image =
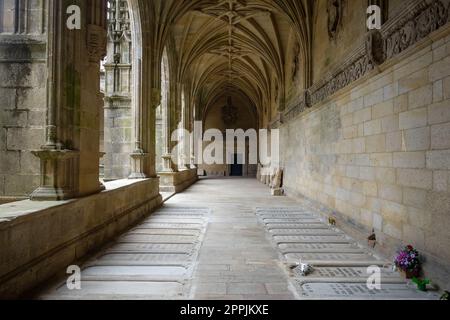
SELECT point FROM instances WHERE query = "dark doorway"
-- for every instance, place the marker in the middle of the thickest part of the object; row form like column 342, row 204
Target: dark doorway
column 236, row 169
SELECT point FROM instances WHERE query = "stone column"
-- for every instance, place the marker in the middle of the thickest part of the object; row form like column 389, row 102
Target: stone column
column 69, row 158
column 169, row 118
column 139, row 156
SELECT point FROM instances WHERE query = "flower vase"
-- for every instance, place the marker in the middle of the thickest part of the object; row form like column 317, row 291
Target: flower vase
column 408, row 274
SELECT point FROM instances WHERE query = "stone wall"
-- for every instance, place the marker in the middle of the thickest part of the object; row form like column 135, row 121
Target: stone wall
column 377, row 153
column 39, row 239
column 22, row 116
column 22, row 97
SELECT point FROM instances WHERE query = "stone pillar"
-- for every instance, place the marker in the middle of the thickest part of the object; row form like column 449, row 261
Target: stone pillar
column 139, row 157
column 151, row 127
column 69, row 158
column 167, row 95
column 183, row 160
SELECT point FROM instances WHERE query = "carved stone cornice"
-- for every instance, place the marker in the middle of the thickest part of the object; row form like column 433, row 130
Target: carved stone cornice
column 417, row 21
column 354, row 68
column 298, row 108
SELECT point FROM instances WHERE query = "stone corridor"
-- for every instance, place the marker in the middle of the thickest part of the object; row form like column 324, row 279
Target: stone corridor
column 229, row 239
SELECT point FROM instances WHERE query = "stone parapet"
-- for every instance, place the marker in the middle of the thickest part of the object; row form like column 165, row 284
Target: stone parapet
column 39, row 239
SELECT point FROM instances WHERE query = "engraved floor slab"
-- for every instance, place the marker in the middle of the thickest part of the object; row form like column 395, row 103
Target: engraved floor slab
column 207, row 243
column 154, row 260
column 297, row 226
column 306, row 257
column 360, row 291
column 329, row 247
column 122, row 290
column 134, row 271
column 300, row 232
column 340, row 265
column 344, row 272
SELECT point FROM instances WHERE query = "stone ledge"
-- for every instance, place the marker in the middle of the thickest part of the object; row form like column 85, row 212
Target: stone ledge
column 40, row 239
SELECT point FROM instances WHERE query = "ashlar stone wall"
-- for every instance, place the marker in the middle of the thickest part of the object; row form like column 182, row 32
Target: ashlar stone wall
column 378, row 152
column 22, row 96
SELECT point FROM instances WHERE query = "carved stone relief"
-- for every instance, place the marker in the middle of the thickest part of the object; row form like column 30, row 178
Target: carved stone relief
column 334, row 10
column 295, row 63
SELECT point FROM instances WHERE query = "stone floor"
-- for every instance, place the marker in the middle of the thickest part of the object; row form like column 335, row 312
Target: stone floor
column 229, row 239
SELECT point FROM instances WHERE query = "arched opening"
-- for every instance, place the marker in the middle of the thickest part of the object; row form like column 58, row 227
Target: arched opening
column 232, row 115
column 117, row 77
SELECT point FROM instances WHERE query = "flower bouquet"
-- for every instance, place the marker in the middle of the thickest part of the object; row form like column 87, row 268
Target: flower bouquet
column 407, row 261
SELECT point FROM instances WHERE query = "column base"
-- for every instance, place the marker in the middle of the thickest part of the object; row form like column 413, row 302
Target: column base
column 59, row 175
column 177, row 181
column 137, row 165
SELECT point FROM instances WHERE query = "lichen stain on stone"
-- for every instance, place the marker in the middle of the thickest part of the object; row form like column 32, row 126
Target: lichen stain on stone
column 72, row 89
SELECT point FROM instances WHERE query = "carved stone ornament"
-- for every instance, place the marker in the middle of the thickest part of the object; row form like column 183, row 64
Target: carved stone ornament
column 334, row 10
column 229, row 113
column 96, row 43
column 295, row 63
column 374, row 47
column 418, row 23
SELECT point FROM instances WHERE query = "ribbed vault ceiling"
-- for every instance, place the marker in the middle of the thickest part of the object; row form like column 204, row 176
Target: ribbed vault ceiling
column 232, row 47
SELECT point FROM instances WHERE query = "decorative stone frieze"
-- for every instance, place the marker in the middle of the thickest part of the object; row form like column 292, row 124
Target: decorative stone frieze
column 416, row 22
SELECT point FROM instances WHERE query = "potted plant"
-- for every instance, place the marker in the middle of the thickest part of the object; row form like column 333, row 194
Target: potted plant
column 421, row 284
column 408, row 262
